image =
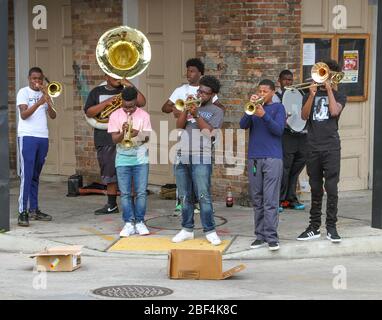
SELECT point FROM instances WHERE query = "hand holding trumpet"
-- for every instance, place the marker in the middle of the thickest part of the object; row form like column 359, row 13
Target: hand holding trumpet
column 255, row 106
column 125, row 128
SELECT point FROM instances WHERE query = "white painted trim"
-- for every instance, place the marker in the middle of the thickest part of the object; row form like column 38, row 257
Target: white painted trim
column 21, row 19
column 131, row 19
column 130, row 13
column 373, row 74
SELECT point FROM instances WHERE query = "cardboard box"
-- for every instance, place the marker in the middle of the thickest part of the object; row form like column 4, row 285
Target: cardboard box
column 198, row 264
column 59, row 259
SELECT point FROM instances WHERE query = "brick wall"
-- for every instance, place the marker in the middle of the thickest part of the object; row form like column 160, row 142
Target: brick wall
column 242, row 42
column 90, row 19
column 11, row 91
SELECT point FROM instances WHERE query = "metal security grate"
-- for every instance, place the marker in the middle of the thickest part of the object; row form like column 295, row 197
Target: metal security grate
column 132, row 292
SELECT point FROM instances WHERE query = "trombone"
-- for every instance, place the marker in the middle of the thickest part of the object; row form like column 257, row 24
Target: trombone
column 251, row 107
column 320, row 73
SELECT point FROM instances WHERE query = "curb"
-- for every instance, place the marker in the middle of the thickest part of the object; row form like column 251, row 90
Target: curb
column 312, row 249
column 288, row 249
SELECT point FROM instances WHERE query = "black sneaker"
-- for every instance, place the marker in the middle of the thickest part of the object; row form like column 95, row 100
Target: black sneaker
column 258, row 244
column 23, row 220
column 333, row 235
column 309, row 234
column 107, row 209
column 273, row 246
column 37, row 215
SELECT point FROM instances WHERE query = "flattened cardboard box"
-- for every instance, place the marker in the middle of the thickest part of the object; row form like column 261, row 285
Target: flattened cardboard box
column 59, row 259
column 198, row 264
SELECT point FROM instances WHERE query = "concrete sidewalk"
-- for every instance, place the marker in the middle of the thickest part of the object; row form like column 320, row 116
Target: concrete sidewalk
column 75, row 223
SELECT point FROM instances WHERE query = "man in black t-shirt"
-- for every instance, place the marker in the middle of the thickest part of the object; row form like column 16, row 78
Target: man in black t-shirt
column 99, row 98
column 322, row 108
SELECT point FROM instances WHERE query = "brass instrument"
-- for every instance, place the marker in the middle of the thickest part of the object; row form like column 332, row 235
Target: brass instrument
column 103, row 117
column 320, row 73
column 122, row 53
column 183, row 105
column 53, row 89
column 127, row 142
column 250, row 107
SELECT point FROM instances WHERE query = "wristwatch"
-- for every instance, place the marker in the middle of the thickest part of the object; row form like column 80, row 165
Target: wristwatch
column 197, row 116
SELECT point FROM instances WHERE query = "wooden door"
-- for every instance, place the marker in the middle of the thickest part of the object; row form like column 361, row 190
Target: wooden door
column 51, row 50
column 170, row 28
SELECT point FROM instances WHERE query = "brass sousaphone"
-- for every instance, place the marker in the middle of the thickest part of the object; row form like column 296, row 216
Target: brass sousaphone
column 122, row 53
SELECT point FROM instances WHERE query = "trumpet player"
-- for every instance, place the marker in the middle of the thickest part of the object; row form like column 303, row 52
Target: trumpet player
column 33, row 104
column 130, row 129
column 193, row 167
column 100, row 98
column 322, row 108
column 265, row 164
column 194, row 72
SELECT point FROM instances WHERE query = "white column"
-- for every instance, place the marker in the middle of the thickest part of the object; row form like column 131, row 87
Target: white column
column 21, row 20
column 130, row 18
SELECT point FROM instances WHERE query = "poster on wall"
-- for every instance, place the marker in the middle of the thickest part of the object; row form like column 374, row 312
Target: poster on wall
column 351, row 66
column 309, row 54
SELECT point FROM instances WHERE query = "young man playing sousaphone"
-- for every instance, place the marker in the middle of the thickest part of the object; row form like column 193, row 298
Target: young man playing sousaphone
column 130, row 129
column 99, row 99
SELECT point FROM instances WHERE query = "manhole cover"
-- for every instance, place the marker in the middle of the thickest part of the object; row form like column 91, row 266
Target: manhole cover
column 132, row 292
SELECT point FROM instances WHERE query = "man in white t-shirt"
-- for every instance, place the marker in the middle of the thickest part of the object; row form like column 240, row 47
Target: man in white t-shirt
column 195, row 70
column 33, row 104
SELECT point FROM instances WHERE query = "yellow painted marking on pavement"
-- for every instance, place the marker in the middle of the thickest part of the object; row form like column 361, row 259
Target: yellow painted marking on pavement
column 99, row 233
column 137, row 243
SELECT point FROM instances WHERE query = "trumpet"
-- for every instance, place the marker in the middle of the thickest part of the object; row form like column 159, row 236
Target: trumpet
column 127, row 141
column 320, row 73
column 250, row 107
column 183, row 105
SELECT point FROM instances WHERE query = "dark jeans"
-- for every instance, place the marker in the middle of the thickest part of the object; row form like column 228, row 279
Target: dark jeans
column 324, row 165
column 195, row 179
column 294, row 159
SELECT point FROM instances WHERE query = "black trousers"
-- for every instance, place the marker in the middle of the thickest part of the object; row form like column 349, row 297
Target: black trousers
column 324, row 165
column 294, row 159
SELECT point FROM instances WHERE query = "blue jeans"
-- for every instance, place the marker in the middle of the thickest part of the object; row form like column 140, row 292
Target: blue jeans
column 140, row 173
column 195, row 177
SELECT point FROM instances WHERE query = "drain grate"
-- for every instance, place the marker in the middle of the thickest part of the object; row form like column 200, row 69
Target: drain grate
column 132, row 292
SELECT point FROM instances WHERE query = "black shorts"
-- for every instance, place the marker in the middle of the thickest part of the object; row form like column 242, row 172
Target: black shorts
column 106, row 160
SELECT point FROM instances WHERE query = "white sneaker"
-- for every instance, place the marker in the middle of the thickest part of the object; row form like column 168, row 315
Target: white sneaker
column 127, row 230
column 183, row 235
column 213, row 238
column 142, row 229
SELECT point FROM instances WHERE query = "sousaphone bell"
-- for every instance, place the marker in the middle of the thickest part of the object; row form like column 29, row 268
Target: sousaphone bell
column 122, row 53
